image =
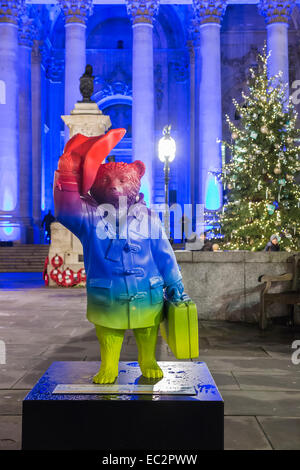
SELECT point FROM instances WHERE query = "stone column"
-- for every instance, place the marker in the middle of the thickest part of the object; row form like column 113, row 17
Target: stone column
column 143, row 145
column 277, row 14
column 25, row 126
column 192, row 119
column 9, row 150
column 76, row 13
column 208, row 16
column 36, row 90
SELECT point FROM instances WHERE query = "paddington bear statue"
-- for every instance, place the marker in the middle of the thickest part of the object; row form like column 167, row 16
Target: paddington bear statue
column 129, row 262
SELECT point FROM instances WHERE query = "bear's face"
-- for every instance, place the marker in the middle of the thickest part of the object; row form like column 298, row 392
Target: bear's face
column 118, row 179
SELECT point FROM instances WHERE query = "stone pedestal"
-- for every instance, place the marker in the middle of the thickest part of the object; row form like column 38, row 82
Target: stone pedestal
column 120, row 421
column 87, row 119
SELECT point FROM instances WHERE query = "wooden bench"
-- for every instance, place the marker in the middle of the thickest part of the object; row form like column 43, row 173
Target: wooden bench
column 290, row 297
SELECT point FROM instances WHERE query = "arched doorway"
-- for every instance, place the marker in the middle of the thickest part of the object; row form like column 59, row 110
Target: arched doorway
column 119, row 108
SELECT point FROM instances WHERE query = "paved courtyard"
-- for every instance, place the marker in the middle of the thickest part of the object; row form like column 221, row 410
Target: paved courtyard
column 253, row 369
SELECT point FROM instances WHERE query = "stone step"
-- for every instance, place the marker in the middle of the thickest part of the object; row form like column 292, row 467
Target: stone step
column 23, row 258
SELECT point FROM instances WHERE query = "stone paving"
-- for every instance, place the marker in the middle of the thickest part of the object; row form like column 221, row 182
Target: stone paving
column 253, row 369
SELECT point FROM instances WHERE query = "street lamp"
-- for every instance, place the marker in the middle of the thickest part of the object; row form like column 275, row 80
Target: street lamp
column 166, row 154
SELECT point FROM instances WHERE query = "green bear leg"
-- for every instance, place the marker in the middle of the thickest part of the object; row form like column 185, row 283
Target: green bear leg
column 146, row 339
column 110, row 347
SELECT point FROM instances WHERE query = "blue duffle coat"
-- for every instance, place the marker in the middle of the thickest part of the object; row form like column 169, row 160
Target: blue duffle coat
column 127, row 266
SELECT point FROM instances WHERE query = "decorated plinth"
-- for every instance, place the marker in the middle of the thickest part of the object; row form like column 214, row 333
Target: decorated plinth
column 87, row 119
column 66, row 411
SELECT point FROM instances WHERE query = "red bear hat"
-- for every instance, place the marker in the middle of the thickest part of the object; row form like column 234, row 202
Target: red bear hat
column 95, row 150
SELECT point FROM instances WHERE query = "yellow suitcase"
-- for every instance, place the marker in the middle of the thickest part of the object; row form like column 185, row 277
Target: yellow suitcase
column 179, row 328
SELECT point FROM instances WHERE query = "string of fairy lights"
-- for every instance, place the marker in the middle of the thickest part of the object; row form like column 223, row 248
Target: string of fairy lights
column 259, row 181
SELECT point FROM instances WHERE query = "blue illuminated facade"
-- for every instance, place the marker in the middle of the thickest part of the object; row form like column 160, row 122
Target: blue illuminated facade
column 199, row 64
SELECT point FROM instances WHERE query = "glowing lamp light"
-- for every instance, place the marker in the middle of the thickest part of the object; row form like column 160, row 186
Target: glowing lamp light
column 166, row 154
column 166, row 146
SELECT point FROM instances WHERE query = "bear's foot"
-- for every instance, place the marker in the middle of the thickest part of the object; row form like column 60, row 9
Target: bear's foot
column 151, row 370
column 105, row 376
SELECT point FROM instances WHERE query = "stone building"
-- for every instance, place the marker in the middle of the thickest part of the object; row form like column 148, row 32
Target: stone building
column 155, row 62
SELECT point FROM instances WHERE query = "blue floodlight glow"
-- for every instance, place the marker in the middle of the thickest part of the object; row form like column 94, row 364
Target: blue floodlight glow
column 145, row 189
column 7, row 200
column 9, row 232
column 212, row 196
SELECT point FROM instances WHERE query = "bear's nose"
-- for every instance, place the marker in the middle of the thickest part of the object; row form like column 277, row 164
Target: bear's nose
column 115, row 188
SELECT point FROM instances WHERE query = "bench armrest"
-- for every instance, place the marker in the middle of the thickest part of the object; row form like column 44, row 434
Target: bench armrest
column 281, row 277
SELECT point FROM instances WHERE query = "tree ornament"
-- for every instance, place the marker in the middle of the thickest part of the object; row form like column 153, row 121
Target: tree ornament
column 253, row 134
column 270, row 209
column 277, row 170
column 264, row 129
column 234, row 135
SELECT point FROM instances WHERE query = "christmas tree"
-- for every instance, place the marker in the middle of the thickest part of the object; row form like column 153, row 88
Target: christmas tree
column 262, row 197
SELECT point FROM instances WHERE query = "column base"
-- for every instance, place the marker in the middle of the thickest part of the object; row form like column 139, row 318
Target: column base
column 18, row 230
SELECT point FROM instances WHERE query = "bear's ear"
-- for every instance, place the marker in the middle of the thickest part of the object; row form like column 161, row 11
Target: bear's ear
column 139, row 167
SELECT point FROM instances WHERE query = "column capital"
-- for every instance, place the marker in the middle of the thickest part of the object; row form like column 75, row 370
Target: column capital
column 207, row 12
column 142, row 11
column 9, row 11
column 194, row 30
column 76, row 11
column 276, row 11
column 26, row 31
